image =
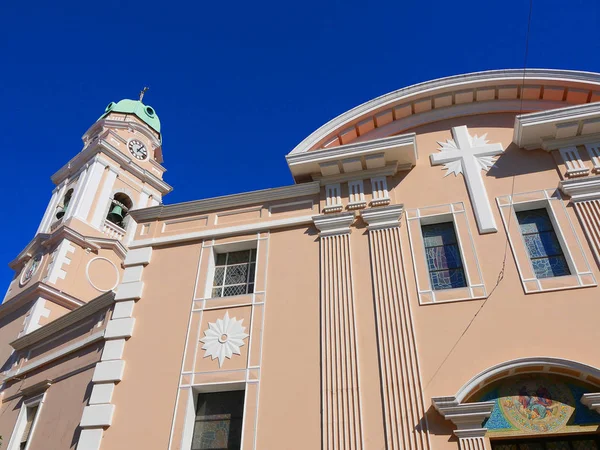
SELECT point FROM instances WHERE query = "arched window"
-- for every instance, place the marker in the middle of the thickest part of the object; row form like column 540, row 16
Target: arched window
column 118, row 213
column 62, row 208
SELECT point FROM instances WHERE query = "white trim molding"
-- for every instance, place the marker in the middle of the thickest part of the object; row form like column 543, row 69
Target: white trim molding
column 580, row 276
column 224, row 202
column 355, row 157
column 591, row 400
column 38, row 400
column 556, row 128
column 587, row 188
column 467, row 417
column 334, row 224
column 385, row 217
column 467, row 94
column 561, row 366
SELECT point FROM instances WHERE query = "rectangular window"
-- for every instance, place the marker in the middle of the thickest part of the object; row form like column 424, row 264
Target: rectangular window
column 234, row 273
column 24, row 428
column 542, row 244
column 219, row 421
column 443, row 256
column 31, row 412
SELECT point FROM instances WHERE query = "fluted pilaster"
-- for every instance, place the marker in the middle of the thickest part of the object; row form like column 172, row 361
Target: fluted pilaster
column 341, row 417
column 401, row 385
column 589, row 214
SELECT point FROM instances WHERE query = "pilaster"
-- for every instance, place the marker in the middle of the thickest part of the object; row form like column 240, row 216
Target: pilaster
column 100, row 211
column 341, row 403
column 403, row 406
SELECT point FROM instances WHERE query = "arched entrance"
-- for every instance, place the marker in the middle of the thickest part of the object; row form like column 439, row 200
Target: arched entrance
column 527, row 404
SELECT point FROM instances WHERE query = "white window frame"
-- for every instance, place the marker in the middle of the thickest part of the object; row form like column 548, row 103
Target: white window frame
column 379, row 191
column 572, row 160
column 594, row 154
column 192, row 406
column 544, row 204
column 430, row 215
column 333, row 198
column 551, row 200
column 356, row 194
column 228, row 248
column 15, row 439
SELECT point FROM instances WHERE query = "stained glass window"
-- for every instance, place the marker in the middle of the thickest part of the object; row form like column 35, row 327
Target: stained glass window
column 234, row 273
column 544, row 250
column 219, row 421
column 443, row 256
column 584, row 442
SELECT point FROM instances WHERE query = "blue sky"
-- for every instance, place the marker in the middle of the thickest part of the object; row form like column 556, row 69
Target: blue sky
column 238, row 84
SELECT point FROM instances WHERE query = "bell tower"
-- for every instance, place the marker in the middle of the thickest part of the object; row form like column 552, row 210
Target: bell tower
column 82, row 239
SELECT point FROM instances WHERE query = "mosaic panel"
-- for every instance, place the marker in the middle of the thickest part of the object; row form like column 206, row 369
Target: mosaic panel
column 537, row 404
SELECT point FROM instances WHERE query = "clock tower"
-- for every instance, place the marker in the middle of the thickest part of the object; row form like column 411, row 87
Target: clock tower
column 78, row 249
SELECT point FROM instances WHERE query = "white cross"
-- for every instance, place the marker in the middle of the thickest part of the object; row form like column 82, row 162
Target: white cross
column 470, row 156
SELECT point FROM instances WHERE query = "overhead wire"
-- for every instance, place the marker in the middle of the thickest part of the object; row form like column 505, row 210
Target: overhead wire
column 503, row 267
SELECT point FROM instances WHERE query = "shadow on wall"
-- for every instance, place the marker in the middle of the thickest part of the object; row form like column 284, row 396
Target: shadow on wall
column 437, row 425
column 77, row 433
column 517, row 161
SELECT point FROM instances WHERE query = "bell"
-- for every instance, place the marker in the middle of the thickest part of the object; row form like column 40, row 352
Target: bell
column 61, row 212
column 116, row 215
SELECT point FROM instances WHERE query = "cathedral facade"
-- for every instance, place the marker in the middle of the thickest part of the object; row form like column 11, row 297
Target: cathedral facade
column 428, row 282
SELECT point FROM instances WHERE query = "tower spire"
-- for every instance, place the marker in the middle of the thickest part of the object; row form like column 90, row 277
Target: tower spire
column 142, row 92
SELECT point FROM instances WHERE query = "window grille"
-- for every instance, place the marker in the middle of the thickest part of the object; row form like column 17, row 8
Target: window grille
column 234, row 273
column 444, row 261
column 544, row 249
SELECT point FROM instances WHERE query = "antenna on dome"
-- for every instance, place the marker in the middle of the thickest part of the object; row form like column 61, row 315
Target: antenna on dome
column 142, row 92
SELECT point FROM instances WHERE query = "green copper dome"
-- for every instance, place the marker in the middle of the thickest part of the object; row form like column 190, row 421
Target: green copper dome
column 144, row 112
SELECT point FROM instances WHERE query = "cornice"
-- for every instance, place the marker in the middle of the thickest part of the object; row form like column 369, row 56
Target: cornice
column 447, row 86
column 557, row 128
column 111, row 244
column 121, row 124
column 333, row 224
column 581, row 189
column 224, row 202
column 591, row 400
column 222, row 232
column 71, row 318
column 467, row 417
column 385, row 217
column 40, row 289
column 62, row 232
column 400, row 149
column 103, row 146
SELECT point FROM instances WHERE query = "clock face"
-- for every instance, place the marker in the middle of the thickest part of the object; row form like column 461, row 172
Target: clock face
column 137, row 149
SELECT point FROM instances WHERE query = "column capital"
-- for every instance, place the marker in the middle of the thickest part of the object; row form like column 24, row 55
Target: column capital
column 467, row 417
column 333, row 224
column 385, row 217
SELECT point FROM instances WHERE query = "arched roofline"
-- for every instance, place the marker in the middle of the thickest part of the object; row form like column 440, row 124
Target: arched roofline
column 538, row 364
column 442, row 94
